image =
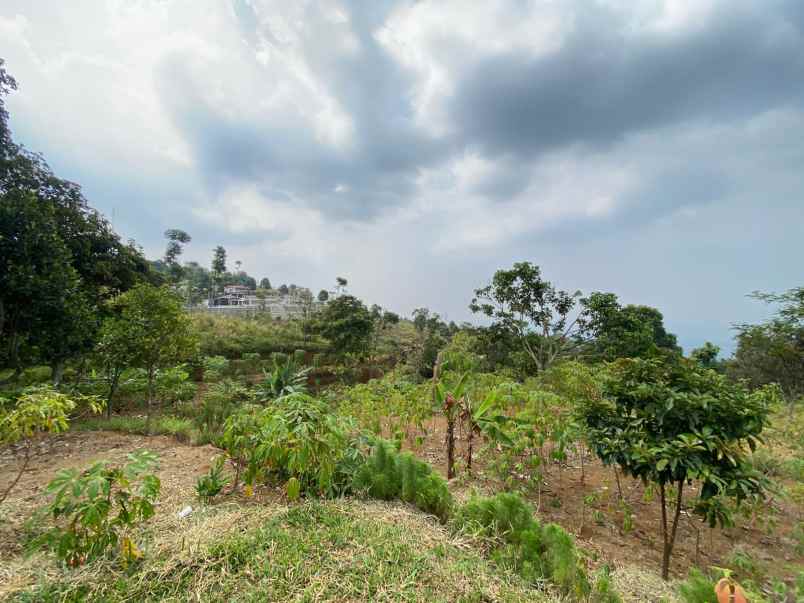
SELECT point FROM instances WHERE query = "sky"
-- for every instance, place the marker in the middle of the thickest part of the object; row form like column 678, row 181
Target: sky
column 652, row 148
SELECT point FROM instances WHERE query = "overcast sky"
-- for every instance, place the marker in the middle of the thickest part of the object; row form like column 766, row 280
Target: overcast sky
column 646, row 147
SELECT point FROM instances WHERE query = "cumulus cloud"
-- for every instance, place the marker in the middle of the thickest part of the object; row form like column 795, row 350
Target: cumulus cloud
column 649, row 147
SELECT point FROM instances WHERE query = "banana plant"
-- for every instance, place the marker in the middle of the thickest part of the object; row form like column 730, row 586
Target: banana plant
column 449, row 397
column 483, row 418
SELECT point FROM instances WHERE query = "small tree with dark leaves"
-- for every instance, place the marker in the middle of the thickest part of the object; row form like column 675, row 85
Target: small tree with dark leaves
column 669, row 421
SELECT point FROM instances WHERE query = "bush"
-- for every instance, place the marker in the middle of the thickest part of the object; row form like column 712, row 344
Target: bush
column 210, row 485
column 697, row 588
column 297, row 436
column 219, row 402
column 603, row 591
column 388, row 474
column 214, row 368
column 96, row 509
column 536, row 552
column 173, row 385
column 283, row 379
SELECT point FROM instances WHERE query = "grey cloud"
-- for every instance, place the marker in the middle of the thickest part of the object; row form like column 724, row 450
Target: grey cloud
column 605, row 82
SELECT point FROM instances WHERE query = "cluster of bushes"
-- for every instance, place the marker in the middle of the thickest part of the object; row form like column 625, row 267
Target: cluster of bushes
column 234, row 337
column 299, row 442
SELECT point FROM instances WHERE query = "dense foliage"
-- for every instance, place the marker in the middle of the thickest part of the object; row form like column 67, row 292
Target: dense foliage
column 670, row 421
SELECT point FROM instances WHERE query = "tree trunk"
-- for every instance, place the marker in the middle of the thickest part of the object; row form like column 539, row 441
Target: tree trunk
column 470, row 441
column 57, row 372
column 450, row 447
column 665, row 548
column 150, row 400
column 112, row 390
column 669, row 537
column 19, row 474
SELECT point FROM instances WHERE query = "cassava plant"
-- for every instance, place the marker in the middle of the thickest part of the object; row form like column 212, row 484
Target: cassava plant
column 97, row 509
column 669, row 422
column 38, row 410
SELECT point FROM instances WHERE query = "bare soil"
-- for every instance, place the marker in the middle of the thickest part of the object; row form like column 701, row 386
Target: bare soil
column 598, row 526
column 565, row 486
column 180, row 466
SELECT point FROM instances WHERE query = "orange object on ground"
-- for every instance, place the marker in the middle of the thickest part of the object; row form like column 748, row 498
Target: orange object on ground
column 728, row 591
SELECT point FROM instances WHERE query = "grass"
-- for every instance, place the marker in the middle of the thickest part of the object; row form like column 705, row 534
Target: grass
column 318, row 551
column 181, row 428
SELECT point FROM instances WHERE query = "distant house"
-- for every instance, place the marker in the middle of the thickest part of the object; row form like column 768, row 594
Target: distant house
column 239, row 298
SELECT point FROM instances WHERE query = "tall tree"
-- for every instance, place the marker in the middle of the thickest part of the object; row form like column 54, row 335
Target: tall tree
column 706, row 355
column 615, row 331
column 176, row 239
column 218, row 266
column 519, row 300
column 340, row 284
column 265, row 283
column 323, row 295
column 347, row 324
column 72, row 252
column 773, row 351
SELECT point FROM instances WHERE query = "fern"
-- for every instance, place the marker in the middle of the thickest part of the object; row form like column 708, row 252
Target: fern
column 536, row 552
column 388, row 474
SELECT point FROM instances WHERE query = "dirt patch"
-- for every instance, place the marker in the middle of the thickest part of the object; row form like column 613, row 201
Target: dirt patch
column 598, row 524
column 180, row 466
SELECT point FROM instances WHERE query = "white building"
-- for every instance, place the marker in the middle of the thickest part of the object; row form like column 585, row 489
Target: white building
column 238, row 298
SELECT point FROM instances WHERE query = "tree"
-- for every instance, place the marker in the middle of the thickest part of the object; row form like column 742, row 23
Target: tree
column 521, row 301
column 614, row 331
column 323, row 295
column 773, row 351
column 265, row 283
column 283, row 290
column 159, row 331
column 432, row 337
column 381, row 320
column 347, row 324
column 668, row 421
column 340, row 284
column 114, row 351
column 61, row 259
column 176, row 238
column 706, row 355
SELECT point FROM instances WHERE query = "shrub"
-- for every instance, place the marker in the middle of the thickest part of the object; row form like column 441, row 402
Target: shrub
column 697, row 588
column 174, row 385
column 218, row 403
column 214, row 368
column 388, row 474
column 536, row 552
column 97, row 509
column 284, row 378
column 210, row 485
column 37, row 410
column 603, row 591
column 297, row 436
